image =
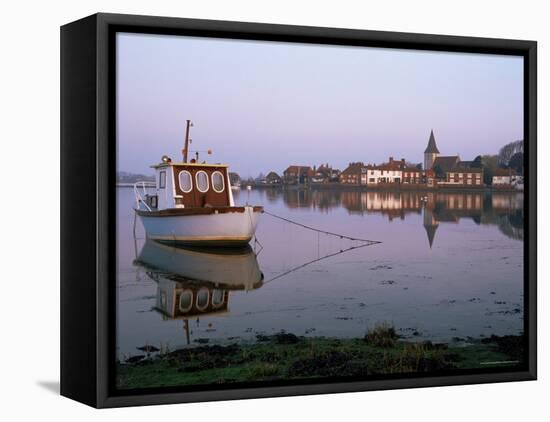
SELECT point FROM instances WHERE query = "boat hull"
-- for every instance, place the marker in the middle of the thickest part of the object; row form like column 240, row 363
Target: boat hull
column 232, row 269
column 213, row 226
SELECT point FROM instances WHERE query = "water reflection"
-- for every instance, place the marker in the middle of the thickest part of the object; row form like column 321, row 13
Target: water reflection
column 232, row 269
column 504, row 210
column 468, row 283
column 194, row 283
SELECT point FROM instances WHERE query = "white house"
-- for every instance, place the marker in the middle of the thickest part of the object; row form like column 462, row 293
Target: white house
column 505, row 177
column 390, row 172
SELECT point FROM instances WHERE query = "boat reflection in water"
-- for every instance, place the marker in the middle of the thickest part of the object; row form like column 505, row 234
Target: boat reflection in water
column 196, row 282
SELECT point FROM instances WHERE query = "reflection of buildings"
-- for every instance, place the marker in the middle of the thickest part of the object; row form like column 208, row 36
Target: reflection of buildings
column 316, row 199
column 392, row 204
column 192, row 283
column 502, row 209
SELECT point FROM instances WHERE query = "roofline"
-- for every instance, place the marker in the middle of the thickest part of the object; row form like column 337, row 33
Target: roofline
column 155, row 166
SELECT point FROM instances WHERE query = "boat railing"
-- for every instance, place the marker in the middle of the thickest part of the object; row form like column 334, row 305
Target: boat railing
column 140, row 193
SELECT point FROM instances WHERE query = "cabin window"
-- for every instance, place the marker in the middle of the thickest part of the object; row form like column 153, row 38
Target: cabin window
column 202, row 299
column 186, row 301
column 162, row 180
column 217, row 181
column 186, row 181
column 162, row 301
column 202, row 181
column 217, row 298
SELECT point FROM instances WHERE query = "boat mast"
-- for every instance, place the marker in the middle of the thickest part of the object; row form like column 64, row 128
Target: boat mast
column 186, row 146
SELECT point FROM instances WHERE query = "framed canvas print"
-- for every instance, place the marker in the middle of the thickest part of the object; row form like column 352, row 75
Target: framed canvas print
column 253, row 210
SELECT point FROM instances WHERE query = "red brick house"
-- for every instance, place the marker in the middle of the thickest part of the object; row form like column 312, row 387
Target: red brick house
column 297, row 175
column 354, row 174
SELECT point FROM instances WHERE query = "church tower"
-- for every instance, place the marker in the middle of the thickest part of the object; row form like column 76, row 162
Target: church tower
column 431, row 152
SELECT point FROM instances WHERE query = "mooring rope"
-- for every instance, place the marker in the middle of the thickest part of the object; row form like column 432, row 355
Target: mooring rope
column 341, row 236
column 299, row 267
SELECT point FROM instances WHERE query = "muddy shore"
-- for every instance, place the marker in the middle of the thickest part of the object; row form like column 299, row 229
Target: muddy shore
column 285, row 356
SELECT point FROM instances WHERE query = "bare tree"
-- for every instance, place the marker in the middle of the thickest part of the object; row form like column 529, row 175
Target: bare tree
column 508, row 150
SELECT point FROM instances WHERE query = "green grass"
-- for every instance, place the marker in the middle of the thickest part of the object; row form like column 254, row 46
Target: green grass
column 382, row 335
column 287, row 357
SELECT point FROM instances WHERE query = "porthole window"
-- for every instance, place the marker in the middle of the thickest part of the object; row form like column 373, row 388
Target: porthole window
column 186, row 301
column 186, row 181
column 202, row 181
column 202, row 299
column 162, row 301
column 217, row 181
column 217, row 298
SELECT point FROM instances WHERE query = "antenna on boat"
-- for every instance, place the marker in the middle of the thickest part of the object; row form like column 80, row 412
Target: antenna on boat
column 187, row 140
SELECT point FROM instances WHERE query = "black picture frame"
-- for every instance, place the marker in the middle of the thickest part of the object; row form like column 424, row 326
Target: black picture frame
column 88, row 202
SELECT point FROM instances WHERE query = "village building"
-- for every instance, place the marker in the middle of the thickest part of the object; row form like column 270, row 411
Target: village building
column 450, row 170
column 439, row 163
column 413, row 176
column 444, row 164
column 273, row 178
column 464, row 176
column 354, row 174
column 504, row 177
column 390, row 172
column 297, row 175
column 430, row 178
column 325, row 174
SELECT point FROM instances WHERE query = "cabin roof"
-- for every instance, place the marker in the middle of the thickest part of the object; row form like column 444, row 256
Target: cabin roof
column 173, row 163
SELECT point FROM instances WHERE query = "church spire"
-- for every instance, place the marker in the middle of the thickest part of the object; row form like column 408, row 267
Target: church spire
column 432, row 147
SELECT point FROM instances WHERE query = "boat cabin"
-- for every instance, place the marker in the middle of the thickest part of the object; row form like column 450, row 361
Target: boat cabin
column 190, row 185
column 186, row 300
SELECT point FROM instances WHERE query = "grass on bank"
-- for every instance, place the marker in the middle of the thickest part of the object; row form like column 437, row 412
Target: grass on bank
column 285, row 356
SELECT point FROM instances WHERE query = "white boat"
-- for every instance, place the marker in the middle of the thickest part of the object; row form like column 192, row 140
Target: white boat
column 191, row 203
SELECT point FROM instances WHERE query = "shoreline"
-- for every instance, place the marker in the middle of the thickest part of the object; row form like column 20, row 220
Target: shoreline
column 386, row 188
column 285, row 356
column 363, row 188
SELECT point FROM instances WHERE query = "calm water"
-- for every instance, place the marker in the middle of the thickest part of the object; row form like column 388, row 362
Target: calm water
column 449, row 266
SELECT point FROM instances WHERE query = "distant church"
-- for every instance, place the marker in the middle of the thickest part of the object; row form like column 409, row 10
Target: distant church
column 446, row 163
column 431, row 152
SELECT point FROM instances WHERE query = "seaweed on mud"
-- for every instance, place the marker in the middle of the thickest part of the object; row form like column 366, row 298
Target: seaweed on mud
column 328, row 364
column 134, row 359
column 512, row 346
column 204, row 352
column 279, row 338
column 148, row 349
column 286, row 338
